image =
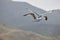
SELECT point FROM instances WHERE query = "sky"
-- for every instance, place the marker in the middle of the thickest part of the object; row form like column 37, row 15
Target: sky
column 43, row 4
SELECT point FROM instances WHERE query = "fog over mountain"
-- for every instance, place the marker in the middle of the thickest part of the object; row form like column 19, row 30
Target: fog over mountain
column 11, row 13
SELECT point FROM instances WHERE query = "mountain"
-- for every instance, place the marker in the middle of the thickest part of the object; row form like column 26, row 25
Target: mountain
column 11, row 13
column 55, row 11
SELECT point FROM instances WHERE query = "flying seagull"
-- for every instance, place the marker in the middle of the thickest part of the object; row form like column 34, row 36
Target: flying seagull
column 36, row 16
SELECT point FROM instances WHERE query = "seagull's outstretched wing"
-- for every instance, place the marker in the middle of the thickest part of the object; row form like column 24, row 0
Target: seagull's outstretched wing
column 39, row 14
column 33, row 12
column 33, row 15
column 47, row 12
column 45, row 18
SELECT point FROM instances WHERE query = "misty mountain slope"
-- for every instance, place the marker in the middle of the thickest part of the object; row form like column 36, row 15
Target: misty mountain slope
column 15, row 34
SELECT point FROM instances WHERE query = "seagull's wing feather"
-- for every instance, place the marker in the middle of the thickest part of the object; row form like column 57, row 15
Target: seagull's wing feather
column 43, row 14
column 25, row 15
column 33, row 12
column 33, row 15
column 36, row 14
column 47, row 12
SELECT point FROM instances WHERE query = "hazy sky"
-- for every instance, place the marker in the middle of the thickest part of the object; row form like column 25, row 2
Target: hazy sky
column 44, row 4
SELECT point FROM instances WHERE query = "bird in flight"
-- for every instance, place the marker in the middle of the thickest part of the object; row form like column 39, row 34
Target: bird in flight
column 36, row 16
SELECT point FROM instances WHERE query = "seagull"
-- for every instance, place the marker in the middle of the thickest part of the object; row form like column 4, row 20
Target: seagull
column 36, row 16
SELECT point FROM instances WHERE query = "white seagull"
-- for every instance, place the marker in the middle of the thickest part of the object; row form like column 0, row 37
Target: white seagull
column 36, row 16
